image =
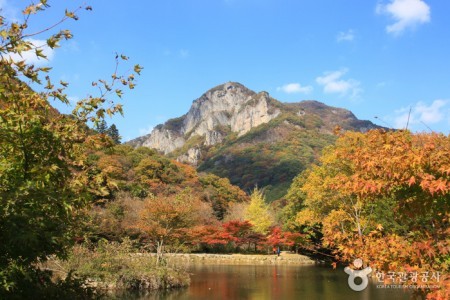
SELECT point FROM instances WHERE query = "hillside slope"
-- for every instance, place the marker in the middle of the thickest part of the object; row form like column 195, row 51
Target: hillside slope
column 251, row 138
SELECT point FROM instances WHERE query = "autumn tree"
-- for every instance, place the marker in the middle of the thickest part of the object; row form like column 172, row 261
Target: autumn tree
column 167, row 221
column 43, row 178
column 234, row 234
column 278, row 238
column 258, row 212
column 221, row 194
column 384, row 197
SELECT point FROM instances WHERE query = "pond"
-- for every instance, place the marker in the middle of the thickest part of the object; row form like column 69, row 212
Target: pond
column 210, row 282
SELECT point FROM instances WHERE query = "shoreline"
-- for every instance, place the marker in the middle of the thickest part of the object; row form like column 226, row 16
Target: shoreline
column 240, row 259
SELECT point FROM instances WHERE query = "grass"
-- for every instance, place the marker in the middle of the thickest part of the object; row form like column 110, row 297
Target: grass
column 112, row 265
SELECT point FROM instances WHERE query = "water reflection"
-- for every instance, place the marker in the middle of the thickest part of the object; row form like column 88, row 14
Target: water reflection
column 270, row 282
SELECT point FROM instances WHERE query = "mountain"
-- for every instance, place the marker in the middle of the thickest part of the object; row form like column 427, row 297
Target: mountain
column 251, row 138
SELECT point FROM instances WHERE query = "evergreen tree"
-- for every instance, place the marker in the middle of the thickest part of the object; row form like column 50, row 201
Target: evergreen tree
column 102, row 127
column 113, row 132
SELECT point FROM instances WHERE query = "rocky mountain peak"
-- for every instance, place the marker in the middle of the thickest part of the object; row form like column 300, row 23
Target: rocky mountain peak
column 251, row 138
column 231, row 109
column 216, row 108
column 229, row 106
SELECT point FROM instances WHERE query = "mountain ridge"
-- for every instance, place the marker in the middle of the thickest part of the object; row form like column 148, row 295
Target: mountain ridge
column 177, row 131
column 230, row 104
column 249, row 137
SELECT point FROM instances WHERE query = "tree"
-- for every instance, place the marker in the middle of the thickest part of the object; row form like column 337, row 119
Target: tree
column 167, row 221
column 113, row 133
column 294, row 202
column 233, row 233
column 44, row 182
column 278, row 238
column 102, row 127
column 384, row 197
column 221, row 194
column 258, row 213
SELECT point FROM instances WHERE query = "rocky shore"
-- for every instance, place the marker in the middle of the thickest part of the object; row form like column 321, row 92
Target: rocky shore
column 241, row 259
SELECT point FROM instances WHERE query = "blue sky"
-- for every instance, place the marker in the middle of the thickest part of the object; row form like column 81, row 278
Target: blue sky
column 375, row 58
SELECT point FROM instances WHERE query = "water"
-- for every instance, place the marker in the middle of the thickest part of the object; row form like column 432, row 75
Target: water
column 209, row 282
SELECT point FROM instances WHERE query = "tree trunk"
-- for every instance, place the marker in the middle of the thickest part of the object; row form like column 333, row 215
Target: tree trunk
column 159, row 252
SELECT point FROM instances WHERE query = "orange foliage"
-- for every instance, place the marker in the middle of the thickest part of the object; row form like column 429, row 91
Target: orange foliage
column 384, row 197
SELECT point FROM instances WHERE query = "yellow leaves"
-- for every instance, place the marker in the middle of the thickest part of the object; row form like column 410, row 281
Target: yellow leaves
column 138, row 69
column 34, row 8
column 306, row 217
column 71, row 15
column 52, row 42
column 3, row 33
column 258, row 212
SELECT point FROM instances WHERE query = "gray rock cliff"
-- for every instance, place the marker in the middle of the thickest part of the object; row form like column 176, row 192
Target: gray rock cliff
column 230, row 105
column 234, row 113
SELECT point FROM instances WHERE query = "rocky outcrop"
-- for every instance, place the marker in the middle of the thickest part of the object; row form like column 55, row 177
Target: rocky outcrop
column 230, row 105
column 253, row 115
column 213, row 137
column 161, row 139
column 192, row 156
column 251, row 138
column 233, row 108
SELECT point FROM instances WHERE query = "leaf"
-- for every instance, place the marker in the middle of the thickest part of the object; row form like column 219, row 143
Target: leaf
column 138, row 69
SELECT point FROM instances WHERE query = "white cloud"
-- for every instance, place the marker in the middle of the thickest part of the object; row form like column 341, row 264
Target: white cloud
column 333, row 83
column 145, row 131
column 345, row 36
column 431, row 114
column 30, row 56
column 292, row 88
column 406, row 14
column 421, row 113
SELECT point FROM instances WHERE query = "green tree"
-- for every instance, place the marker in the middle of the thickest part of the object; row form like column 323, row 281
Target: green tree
column 113, row 133
column 258, row 213
column 221, row 193
column 44, row 182
column 294, row 202
column 102, row 127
